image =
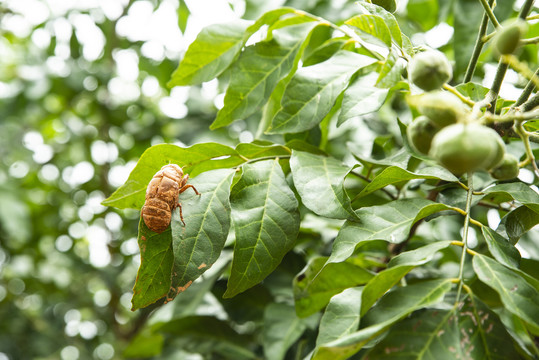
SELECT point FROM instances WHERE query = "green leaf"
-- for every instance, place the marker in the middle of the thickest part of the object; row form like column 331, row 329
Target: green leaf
column 207, row 335
column 207, row 222
column 517, row 295
column 144, row 345
column 210, row 54
column 373, row 26
column 395, row 174
column 474, row 332
column 325, row 51
column 318, row 282
column 391, row 72
column 341, row 316
column 319, row 181
column 255, row 151
column 399, row 266
column 392, row 307
column 389, row 19
column 380, row 284
column 424, row 12
column 515, row 191
column 266, row 220
column 390, row 222
column 193, row 160
column 154, row 273
column 420, row 255
column 313, row 90
column 268, row 18
column 399, row 159
column 501, row 248
column 258, row 70
column 183, row 15
column 518, row 222
column 361, row 98
column 404, row 300
column 281, row 330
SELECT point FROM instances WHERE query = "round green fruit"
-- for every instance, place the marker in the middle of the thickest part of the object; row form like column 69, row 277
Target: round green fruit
column 506, row 40
column 420, row 133
column 441, row 107
column 462, row 148
column 389, row 5
column 430, row 69
column 507, row 169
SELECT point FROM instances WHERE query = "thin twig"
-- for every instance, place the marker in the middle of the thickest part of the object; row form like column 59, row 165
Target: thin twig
column 490, row 13
column 477, row 47
column 525, row 95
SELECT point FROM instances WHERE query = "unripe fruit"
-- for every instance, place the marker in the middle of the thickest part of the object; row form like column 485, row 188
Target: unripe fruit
column 462, row 148
column 441, row 107
column 420, row 133
column 389, row 5
column 507, row 38
column 507, row 169
column 430, row 69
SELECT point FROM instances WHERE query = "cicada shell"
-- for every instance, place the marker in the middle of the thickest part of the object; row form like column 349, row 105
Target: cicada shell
column 162, row 197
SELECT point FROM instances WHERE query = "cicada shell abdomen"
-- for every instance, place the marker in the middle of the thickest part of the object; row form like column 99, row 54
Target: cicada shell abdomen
column 156, row 214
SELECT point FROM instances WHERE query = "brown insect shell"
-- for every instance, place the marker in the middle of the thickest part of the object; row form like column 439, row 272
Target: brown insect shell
column 156, row 214
column 166, row 184
column 162, row 197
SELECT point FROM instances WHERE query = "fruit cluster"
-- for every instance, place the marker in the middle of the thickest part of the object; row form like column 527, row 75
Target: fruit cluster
column 446, row 130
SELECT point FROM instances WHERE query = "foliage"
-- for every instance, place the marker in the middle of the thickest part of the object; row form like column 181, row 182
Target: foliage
column 327, row 236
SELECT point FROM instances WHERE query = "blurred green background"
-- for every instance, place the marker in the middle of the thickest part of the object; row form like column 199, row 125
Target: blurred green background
column 82, row 95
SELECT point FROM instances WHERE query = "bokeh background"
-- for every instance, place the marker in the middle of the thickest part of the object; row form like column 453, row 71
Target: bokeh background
column 82, row 94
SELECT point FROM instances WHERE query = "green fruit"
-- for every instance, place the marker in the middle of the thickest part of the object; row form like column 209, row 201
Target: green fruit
column 389, row 5
column 462, row 148
column 441, row 107
column 507, row 38
column 430, row 69
column 420, row 133
column 507, row 169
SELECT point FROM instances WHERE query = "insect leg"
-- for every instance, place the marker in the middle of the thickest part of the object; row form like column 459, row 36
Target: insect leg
column 181, row 213
column 185, row 187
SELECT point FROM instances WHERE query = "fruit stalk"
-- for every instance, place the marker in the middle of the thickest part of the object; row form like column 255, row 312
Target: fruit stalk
column 465, row 233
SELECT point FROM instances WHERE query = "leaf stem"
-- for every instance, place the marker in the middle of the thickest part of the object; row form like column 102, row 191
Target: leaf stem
column 477, row 47
column 465, row 233
column 463, row 98
column 461, row 244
